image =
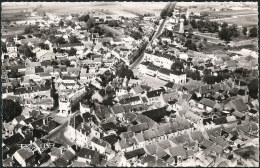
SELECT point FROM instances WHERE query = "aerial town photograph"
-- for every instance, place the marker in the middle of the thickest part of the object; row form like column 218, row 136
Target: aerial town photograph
column 130, row 84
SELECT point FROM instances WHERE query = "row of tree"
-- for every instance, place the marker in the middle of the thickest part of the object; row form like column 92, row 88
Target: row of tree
column 252, row 31
column 227, row 32
column 206, row 25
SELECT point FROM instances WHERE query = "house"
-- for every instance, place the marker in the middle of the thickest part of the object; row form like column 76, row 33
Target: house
column 123, row 145
column 84, row 107
column 100, row 145
column 178, row 153
column 89, row 156
column 101, row 95
column 209, row 105
column 137, row 90
column 154, row 95
column 238, row 105
column 118, row 111
column 24, row 157
column 131, row 100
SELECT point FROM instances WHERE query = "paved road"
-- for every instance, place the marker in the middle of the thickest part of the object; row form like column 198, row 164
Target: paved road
column 156, row 34
column 59, row 129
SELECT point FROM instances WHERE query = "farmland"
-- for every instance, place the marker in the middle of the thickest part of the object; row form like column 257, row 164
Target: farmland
column 249, row 20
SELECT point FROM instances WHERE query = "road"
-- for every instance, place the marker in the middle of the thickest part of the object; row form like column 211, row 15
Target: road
column 58, row 133
column 156, row 34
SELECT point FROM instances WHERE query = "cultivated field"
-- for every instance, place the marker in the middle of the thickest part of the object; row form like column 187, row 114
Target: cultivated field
column 250, row 20
column 234, row 12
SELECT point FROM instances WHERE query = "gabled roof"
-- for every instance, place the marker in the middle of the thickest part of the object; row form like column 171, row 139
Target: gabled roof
column 155, row 93
column 177, row 151
column 238, row 105
column 139, row 127
column 197, row 135
column 134, row 153
column 118, row 109
column 156, row 114
column 208, row 102
column 25, row 154
column 111, row 139
column 13, row 140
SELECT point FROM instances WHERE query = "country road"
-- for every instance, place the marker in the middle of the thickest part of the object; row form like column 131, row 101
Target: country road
column 156, row 34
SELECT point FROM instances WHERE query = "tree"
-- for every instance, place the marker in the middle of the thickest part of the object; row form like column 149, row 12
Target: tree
column 193, row 24
column 72, row 52
column 109, row 34
column 27, row 51
column 209, row 79
column 20, row 37
column 113, row 23
column 177, row 66
column 224, row 25
column 200, row 46
column 84, row 18
column 65, row 62
column 90, row 23
column 71, row 24
column 253, row 88
column 125, row 72
column 234, row 30
column 225, row 34
column 27, row 30
column 73, row 39
column 244, row 31
column 3, row 47
column 205, row 40
column 60, row 40
column 14, row 74
column 11, row 110
column 136, row 35
column 190, row 45
column 61, row 23
column 253, row 32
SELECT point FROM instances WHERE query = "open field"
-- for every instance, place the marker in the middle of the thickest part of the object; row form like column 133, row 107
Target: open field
column 112, row 30
column 7, row 31
column 234, row 12
column 250, row 20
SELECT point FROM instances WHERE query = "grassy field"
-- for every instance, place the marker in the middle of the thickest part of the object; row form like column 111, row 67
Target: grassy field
column 251, row 20
column 234, row 12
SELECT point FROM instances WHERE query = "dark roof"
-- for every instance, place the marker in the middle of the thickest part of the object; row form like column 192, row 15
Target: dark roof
column 118, row 109
column 134, row 153
column 139, row 127
column 77, row 120
column 155, row 93
column 238, row 105
column 111, row 139
column 99, row 142
column 220, row 120
column 109, row 126
column 61, row 162
column 156, row 114
column 129, row 100
column 13, row 140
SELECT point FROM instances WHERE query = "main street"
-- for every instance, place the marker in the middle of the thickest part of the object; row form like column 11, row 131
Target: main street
column 58, row 134
column 156, row 34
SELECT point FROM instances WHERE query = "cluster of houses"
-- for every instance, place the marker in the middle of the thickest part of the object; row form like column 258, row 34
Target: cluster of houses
column 182, row 123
